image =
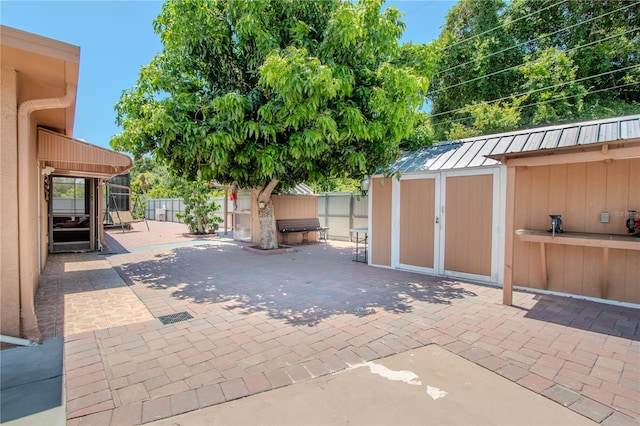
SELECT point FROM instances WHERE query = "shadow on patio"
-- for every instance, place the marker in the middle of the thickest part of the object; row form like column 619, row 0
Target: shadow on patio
column 302, row 288
column 587, row 315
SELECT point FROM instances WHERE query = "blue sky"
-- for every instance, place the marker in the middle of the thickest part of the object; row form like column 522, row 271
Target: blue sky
column 116, row 38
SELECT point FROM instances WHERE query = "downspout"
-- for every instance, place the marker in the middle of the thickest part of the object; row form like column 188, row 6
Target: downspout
column 28, row 320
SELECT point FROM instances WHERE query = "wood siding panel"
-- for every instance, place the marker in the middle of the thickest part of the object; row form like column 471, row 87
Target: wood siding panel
column 468, row 218
column 417, row 201
column 539, row 217
column 632, row 279
column 579, row 192
column 575, row 218
column 295, row 207
column 596, row 197
column 557, row 196
column 522, row 220
column 381, row 190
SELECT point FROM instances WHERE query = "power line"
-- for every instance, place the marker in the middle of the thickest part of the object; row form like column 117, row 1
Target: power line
column 532, row 62
column 500, row 26
column 537, row 38
column 620, row 86
column 423, row 4
column 543, row 88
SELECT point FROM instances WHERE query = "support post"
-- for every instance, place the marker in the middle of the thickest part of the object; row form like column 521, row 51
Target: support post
column 507, row 285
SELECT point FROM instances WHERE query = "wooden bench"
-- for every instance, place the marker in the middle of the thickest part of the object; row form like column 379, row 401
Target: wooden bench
column 289, row 226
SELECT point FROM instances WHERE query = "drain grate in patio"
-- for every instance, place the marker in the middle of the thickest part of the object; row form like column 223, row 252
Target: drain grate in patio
column 173, row 318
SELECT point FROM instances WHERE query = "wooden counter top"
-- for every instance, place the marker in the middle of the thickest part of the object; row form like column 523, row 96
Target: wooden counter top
column 580, row 239
column 604, row 241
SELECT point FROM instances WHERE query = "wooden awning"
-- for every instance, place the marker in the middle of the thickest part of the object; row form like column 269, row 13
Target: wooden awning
column 73, row 157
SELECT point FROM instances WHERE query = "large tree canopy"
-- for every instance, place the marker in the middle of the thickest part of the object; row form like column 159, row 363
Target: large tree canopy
column 275, row 91
column 531, row 62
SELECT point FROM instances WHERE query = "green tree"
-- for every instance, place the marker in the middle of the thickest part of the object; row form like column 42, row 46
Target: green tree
column 487, row 118
column 199, row 208
column 274, row 92
column 422, row 134
column 475, row 54
column 602, row 38
column 551, row 92
column 153, row 180
column 554, row 60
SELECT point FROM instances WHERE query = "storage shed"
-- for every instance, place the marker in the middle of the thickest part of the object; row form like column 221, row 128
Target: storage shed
column 443, row 215
column 480, row 209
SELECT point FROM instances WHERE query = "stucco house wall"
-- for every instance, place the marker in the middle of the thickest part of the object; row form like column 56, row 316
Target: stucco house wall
column 9, row 259
column 38, row 84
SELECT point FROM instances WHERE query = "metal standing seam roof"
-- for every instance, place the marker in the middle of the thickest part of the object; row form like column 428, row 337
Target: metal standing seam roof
column 473, row 152
column 299, row 189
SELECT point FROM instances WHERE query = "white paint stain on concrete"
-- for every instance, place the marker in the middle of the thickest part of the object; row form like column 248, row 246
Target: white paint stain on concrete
column 435, row 393
column 405, row 376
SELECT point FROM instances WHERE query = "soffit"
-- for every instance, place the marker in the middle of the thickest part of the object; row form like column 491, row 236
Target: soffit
column 45, row 68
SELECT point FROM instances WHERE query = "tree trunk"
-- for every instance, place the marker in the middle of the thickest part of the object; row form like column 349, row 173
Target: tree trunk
column 267, row 217
column 268, row 232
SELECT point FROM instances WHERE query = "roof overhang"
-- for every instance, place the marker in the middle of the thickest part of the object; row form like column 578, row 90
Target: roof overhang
column 45, row 68
column 602, row 151
column 73, row 157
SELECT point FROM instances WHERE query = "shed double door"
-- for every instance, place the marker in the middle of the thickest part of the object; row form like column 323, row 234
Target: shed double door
column 446, row 225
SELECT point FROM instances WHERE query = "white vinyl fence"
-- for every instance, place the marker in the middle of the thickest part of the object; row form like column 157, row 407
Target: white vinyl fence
column 170, row 207
column 339, row 211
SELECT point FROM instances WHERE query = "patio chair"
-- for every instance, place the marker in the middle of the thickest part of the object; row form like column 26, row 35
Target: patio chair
column 123, row 218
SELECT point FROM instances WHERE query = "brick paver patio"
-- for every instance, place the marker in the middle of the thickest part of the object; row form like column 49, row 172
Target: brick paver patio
column 262, row 322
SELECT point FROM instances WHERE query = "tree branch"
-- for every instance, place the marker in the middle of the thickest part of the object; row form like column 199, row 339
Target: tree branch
column 265, row 193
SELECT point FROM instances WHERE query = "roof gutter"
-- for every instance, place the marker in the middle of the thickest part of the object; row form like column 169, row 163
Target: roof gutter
column 28, row 241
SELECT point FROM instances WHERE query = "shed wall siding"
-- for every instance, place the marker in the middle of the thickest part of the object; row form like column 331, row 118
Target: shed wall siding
column 381, row 189
column 295, row 207
column 579, row 192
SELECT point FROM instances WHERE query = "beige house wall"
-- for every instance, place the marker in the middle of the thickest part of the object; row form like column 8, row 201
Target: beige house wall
column 9, row 259
column 579, row 192
column 29, row 245
column 38, row 80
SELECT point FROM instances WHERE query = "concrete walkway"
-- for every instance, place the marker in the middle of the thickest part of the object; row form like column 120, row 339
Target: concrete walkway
column 260, row 323
column 425, row 386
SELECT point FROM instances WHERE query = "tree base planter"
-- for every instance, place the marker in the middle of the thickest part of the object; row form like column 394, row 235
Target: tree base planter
column 280, row 250
column 194, row 235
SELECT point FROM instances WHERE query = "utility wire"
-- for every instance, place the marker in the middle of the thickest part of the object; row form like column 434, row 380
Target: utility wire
column 543, row 88
column 531, row 62
column 500, row 26
column 620, row 86
column 538, row 38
